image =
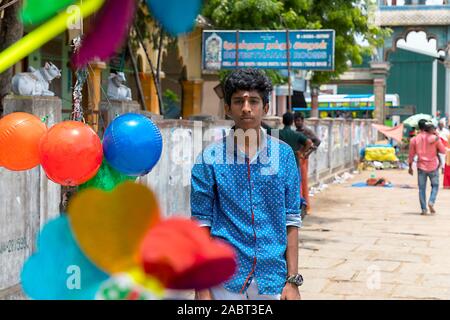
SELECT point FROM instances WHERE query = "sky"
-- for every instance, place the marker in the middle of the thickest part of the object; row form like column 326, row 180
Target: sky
column 428, row 2
column 418, row 40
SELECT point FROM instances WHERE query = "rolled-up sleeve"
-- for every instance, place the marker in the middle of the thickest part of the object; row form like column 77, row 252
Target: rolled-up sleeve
column 292, row 193
column 202, row 193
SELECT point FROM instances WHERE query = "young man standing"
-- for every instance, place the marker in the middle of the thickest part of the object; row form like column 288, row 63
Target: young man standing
column 426, row 146
column 245, row 190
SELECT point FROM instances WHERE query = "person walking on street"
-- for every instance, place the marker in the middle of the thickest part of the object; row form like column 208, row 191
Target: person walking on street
column 299, row 120
column 298, row 141
column 426, row 147
column 245, row 191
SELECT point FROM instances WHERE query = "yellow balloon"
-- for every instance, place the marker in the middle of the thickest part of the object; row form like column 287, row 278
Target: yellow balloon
column 109, row 226
column 35, row 39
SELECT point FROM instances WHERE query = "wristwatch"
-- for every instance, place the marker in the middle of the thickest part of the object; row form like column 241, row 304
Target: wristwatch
column 296, row 279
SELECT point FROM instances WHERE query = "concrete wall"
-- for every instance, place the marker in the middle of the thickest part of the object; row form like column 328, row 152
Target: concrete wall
column 28, row 199
column 183, row 141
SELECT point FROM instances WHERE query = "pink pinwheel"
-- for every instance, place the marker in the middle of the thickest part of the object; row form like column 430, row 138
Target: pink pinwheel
column 108, row 34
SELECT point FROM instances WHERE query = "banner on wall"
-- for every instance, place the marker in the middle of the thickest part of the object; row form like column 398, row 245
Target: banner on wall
column 308, row 49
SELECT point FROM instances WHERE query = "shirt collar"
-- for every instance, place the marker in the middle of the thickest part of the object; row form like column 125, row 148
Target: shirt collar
column 262, row 146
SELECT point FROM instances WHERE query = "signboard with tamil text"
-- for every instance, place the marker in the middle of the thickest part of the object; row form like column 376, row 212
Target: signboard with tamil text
column 308, row 49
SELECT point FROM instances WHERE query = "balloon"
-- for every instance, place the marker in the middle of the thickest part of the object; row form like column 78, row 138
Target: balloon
column 183, row 256
column 124, row 286
column 70, row 153
column 132, row 144
column 20, row 134
column 176, row 16
column 106, row 179
column 59, row 270
column 109, row 226
column 37, row 11
column 36, row 38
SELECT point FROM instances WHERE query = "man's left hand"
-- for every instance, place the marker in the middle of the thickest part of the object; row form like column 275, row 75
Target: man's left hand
column 290, row 292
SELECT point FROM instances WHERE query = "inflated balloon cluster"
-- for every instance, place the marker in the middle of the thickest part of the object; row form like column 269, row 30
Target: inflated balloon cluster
column 112, row 243
column 72, row 154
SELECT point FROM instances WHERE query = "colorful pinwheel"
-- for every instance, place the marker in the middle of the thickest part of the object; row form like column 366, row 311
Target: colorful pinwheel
column 110, row 27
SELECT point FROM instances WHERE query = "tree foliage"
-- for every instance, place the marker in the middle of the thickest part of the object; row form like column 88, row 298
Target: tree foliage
column 349, row 18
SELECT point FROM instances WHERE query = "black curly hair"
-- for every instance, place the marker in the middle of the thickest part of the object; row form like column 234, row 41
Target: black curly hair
column 288, row 119
column 247, row 79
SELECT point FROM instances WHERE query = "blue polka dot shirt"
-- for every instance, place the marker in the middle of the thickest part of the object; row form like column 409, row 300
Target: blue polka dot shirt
column 249, row 203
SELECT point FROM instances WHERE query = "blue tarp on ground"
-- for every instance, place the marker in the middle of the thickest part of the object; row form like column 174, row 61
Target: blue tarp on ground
column 364, row 184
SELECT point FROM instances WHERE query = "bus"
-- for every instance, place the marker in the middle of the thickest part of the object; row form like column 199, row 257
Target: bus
column 349, row 105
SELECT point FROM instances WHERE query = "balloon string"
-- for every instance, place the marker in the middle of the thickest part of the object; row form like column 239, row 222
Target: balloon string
column 81, row 76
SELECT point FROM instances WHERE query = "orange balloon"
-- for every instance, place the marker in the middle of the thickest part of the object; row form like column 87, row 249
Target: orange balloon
column 71, row 153
column 20, row 134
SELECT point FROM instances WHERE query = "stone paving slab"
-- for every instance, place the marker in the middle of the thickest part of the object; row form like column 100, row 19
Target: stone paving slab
column 372, row 243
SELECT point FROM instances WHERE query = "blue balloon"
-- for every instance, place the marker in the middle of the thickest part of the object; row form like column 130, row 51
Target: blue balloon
column 176, row 16
column 132, row 144
column 59, row 270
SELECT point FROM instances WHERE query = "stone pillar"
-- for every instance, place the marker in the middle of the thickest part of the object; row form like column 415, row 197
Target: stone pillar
column 192, row 97
column 281, row 105
column 379, row 90
column 314, row 101
column 379, row 71
column 150, row 93
column 94, row 94
column 113, row 108
column 447, row 85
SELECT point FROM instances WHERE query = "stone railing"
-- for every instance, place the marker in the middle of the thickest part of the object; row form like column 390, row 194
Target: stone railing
column 341, row 142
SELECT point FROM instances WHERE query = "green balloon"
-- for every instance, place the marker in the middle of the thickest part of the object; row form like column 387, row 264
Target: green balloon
column 37, row 11
column 107, row 178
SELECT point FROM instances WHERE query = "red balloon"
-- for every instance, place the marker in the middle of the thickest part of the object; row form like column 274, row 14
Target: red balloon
column 182, row 255
column 71, row 153
column 20, row 134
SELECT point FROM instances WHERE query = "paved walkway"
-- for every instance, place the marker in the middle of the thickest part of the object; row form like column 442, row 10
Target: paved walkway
column 371, row 243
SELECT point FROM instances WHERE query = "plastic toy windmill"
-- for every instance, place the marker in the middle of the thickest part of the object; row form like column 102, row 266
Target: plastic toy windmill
column 110, row 25
column 47, row 31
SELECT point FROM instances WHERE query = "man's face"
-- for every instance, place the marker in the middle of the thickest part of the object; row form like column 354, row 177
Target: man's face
column 299, row 123
column 441, row 125
column 247, row 109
